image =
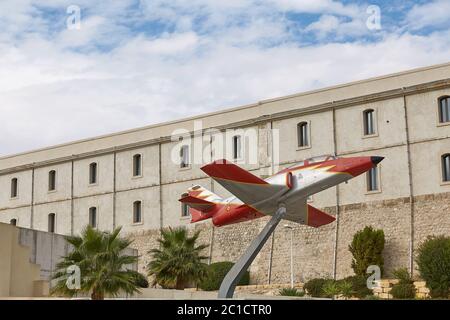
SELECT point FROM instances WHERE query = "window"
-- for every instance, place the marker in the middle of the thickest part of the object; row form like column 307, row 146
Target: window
column 137, row 212
column 13, row 222
column 184, row 207
column 93, row 217
column 303, row 134
column 52, row 180
column 51, row 222
column 237, row 147
column 372, row 179
column 369, row 125
column 137, row 165
column 14, row 187
column 93, row 173
column 446, row 167
column 184, row 157
column 444, row 109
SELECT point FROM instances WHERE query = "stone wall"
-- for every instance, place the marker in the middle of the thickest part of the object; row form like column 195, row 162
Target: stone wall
column 314, row 248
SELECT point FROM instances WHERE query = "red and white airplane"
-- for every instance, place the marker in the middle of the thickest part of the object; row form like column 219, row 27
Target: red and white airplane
column 254, row 197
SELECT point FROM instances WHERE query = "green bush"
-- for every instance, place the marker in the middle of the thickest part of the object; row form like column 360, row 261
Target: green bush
column 314, row 287
column 367, row 249
column 141, row 281
column 405, row 288
column 346, row 288
column 433, row 261
column 215, row 274
column 359, row 286
column 331, row 289
column 403, row 291
column 291, row 292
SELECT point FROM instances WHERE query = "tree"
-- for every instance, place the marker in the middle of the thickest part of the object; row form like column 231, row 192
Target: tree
column 178, row 262
column 103, row 264
column 433, row 261
column 367, row 249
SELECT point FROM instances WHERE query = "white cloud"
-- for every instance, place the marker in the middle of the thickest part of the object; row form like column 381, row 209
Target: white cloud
column 51, row 93
column 434, row 13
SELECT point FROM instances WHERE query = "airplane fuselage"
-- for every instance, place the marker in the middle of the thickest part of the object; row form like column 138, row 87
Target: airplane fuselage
column 290, row 187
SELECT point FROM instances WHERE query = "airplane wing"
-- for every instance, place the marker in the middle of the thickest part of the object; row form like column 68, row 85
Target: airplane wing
column 197, row 203
column 300, row 211
column 249, row 188
column 317, row 218
column 198, row 208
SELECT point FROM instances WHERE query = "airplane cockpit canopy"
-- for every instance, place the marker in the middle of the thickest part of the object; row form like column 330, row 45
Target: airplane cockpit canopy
column 326, row 157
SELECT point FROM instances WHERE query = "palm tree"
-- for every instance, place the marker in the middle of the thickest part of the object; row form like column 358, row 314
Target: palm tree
column 178, row 262
column 103, row 265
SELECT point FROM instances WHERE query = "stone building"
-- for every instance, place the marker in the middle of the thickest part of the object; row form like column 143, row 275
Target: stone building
column 129, row 178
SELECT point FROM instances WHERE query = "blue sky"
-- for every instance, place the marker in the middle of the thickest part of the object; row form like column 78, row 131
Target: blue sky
column 137, row 62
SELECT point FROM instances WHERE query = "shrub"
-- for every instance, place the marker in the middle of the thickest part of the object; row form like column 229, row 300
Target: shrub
column 403, row 291
column 291, row 292
column 215, row 274
column 331, row 289
column 314, row 287
column 433, row 262
column 141, row 280
column 405, row 288
column 346, row 288
column 359, row 286
column 367, row 248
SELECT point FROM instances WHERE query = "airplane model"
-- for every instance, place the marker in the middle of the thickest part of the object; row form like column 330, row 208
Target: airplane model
column 254, row 197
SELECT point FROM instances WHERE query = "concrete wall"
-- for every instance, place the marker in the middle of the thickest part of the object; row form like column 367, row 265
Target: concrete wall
column 29, row 258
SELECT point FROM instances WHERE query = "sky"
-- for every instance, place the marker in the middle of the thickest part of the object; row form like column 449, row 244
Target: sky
column 80, row 68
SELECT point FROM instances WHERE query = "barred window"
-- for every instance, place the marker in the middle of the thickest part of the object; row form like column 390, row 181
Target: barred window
column 52, row 180
column 446, row 167
column 184, row 156
column 137, row 212
column 93, row 217
column 14, row 187
column 93, row 173
column 51, row 222
column 137, row 165
column 369, row 122
column 303, row 134
column 444, row 109
column 237, row 147
column 372, row 179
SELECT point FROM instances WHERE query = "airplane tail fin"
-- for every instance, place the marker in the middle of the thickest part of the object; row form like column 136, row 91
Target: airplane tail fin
column 317, row 218
column 201, row 202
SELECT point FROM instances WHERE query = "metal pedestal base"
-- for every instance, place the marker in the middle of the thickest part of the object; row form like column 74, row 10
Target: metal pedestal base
column 237, row 271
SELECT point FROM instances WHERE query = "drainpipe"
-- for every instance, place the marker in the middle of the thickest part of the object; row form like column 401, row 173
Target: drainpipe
column 71, row 199
column 211, row 236
column 32, row 199
column 269, row 273
column 114, row 190
column 411, row 190
column 160, row 190
column 336, row 233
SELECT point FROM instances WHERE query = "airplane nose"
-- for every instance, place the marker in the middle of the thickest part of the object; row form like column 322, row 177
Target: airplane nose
column 376, row 160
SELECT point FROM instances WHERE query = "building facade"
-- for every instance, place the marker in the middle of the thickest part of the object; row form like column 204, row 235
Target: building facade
column 129, row 179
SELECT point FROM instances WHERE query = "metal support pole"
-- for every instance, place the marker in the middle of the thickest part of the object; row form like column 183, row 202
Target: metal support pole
column 237, row 271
